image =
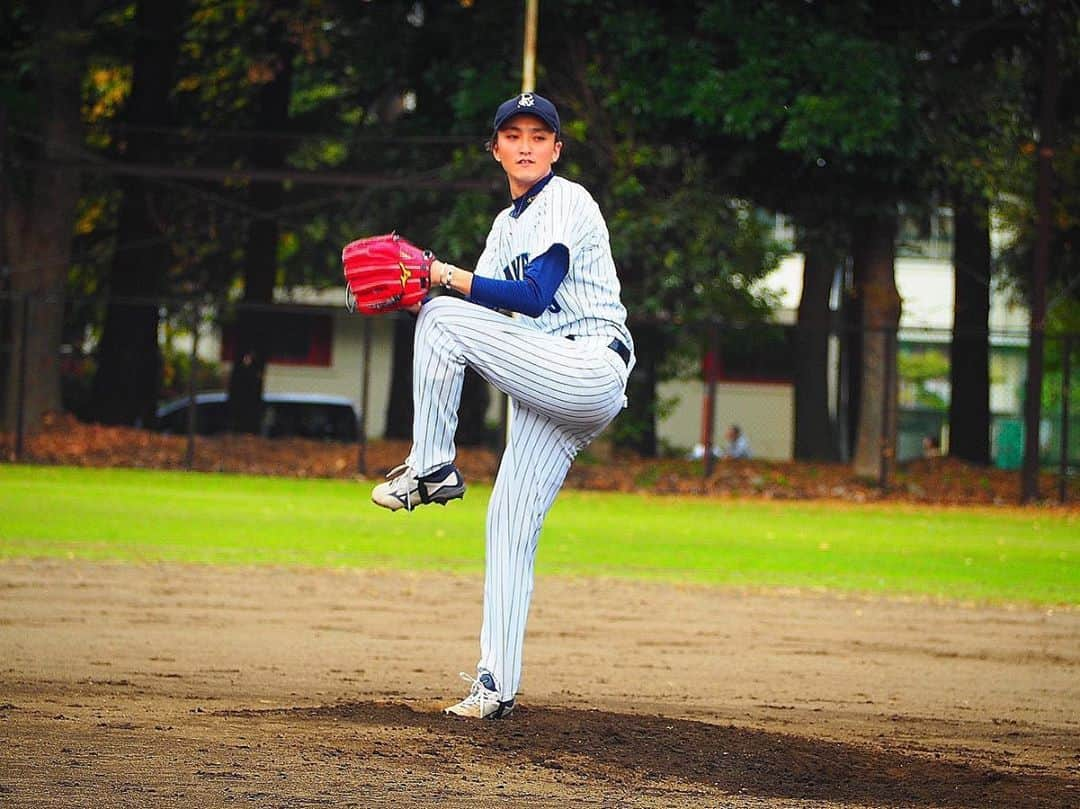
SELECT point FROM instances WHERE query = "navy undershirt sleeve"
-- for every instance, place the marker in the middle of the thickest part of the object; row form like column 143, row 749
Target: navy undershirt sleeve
column 533, row 293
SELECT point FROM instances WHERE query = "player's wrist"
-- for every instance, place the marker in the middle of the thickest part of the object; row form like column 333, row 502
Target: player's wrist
column 444, row 273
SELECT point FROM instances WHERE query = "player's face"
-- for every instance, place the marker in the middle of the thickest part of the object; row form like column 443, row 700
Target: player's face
column 526, row 148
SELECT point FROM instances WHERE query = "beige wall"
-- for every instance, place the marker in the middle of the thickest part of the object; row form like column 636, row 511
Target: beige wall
column 764, row 411
column 346, row 372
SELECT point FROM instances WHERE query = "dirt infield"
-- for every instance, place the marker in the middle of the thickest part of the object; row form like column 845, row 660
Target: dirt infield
column 172, row 685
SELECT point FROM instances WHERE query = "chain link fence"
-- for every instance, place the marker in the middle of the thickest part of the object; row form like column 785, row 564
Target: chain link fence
column 330, row 375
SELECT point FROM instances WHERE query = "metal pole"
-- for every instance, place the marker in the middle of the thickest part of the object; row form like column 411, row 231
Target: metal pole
column 885, row 440
column 192, row 390
column 365, row 383
column 528, row 60
column 24, row 362
column 1033, row 400
column 708, row 439
column 1066, row 368
column 528, row 85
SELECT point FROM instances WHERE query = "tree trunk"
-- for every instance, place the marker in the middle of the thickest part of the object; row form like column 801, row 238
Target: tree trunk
column 874, row 258
column 969, row 369
column 129, row 358
column 815, row 433
column 254, row 325
column 399, row 407
column 38, row 223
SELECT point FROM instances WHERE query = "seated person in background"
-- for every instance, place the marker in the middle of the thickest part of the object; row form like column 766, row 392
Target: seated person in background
column 698, row 452
column 737, row 445
column 931, row 447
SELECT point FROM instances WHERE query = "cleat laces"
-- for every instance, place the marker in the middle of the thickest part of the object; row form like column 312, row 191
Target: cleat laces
column 478, row 693
column 403, row 482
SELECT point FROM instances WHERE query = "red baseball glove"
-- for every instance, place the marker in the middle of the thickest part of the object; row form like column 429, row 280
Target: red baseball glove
column 385, row 273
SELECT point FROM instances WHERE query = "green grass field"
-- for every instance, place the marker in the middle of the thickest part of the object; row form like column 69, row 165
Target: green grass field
column 994, row 555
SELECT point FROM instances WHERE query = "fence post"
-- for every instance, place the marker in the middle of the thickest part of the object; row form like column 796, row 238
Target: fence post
column 1066, row 369
column 20, row 390
column 888, row 410
column 708, row 425
column 365, row 380
column 193, row 369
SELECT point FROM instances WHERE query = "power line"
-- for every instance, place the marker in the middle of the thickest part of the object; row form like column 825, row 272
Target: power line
column 256, row 134
column 341, row 179
column 169, row 178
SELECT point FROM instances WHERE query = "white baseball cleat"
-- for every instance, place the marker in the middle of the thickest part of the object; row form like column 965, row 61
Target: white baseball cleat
column 483, row 701
column 403, row 489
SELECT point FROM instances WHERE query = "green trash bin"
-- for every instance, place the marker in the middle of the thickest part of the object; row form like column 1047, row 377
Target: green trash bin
column 1010, row 444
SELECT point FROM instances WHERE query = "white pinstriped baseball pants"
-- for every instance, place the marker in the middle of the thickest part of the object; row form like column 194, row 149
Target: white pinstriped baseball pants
column 563, row 393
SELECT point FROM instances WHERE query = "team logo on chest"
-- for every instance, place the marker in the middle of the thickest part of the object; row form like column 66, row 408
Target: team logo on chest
column 515, row 271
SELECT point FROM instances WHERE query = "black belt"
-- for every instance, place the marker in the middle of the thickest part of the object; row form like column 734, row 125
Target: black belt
column 619, row 347
column 616, row 345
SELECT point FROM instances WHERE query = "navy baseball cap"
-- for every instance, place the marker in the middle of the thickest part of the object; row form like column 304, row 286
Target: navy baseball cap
column 529, row 104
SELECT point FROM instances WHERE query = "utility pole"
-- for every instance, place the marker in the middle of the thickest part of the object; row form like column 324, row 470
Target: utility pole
column 528, row 59
column 528, row 85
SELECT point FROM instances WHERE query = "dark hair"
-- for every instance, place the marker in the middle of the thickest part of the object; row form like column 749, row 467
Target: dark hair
column 489, row 144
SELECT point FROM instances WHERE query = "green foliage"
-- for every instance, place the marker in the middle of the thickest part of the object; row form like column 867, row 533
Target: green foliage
column 983, row 113
column 1017, row 216
column 628, row 431
column 683, row 119
column 825, row 92
column 687, row 247
column 919, row 372
column 176, row 367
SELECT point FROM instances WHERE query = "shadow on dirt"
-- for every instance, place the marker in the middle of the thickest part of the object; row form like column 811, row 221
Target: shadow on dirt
column 625, row 749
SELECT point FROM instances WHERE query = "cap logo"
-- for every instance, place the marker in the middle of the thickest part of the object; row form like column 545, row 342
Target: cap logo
column 526, row 100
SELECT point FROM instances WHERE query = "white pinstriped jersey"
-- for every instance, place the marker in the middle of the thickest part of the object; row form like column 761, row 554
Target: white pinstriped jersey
column 587, row 302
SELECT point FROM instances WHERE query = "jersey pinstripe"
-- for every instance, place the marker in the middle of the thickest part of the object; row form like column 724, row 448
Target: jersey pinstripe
column 563, row 393
column 588, row 300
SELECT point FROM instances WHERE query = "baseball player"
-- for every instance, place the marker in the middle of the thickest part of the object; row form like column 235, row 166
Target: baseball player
column 563, row 362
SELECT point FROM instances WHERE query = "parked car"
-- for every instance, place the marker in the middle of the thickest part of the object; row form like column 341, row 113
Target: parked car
column 303, row 415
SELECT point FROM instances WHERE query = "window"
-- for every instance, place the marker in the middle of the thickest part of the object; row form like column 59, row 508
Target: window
column 295, row 338
column 758, row 353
